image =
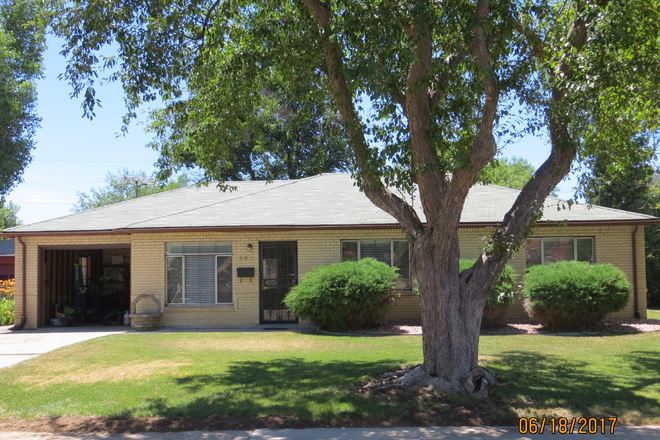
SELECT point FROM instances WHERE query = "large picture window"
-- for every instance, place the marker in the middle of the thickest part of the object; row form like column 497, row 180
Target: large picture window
column 394, row 253
column 199, row 273
column 552, row 249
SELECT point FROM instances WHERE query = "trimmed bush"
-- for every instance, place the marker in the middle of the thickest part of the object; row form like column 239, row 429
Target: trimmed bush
column 570, row 295
column 344, row 296
column 499, row 297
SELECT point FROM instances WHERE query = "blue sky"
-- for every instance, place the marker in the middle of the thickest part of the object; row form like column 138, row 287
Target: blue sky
column 75, row 154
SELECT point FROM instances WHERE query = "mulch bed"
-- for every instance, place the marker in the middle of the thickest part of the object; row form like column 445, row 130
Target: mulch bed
column 524, row 327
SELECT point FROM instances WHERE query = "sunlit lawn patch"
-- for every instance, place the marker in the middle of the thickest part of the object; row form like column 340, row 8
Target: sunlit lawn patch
column 310, row 379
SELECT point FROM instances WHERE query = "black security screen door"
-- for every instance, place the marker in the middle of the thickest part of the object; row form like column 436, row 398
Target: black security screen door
column 279, row 273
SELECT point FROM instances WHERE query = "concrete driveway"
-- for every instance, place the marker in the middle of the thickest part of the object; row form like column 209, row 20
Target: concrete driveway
column 18, row 346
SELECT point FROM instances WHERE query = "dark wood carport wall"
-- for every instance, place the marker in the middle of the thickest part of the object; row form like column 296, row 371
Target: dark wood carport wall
column 56, row 283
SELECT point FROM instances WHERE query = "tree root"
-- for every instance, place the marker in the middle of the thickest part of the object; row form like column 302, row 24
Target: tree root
column 476, row 383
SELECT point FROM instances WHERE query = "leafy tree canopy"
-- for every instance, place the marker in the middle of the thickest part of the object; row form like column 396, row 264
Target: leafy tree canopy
column 511, row 173
column 633, row 187
column 440, row 80
column 21, row 47
column 8, row 215
column 123, row 186
column 288, row 136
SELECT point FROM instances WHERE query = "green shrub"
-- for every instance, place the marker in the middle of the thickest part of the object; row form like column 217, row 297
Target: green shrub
column 504, row 288
column 499, row 297
column 344, row 296
column 7, row 302
column 569, row 295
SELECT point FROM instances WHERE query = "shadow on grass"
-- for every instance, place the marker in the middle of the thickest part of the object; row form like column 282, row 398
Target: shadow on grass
column 549, row 385
column 311, row 393
column 294, row 387
column 301, row 393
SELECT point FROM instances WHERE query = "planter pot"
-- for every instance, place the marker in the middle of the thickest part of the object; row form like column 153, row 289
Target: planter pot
column 145, row 321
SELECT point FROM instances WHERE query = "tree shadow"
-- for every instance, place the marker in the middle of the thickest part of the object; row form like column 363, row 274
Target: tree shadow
column 304, row 393
column 551, row 385
column 292, row 387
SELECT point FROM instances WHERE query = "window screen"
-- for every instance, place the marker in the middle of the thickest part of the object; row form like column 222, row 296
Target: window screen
column 552, row 249
column 175, row 280
column 199, row 273
column 394, row 253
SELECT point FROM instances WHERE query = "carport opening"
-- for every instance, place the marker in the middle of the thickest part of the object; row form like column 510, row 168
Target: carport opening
column 84, row 287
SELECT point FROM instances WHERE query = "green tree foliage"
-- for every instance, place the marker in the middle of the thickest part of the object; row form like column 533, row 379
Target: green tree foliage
column 284, row 134
column 511, row 173
column 438, row 80
column 123, row 186
column 503, row 289
column 21, row 47
column 8, row 215
column 633, row 187
column 346, row 295
column 569, row 295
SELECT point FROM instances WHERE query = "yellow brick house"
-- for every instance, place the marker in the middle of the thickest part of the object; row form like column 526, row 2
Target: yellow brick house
column 226, row 259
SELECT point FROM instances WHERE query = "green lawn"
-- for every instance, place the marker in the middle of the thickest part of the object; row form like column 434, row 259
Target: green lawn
column 309, row 378
column 653, row 314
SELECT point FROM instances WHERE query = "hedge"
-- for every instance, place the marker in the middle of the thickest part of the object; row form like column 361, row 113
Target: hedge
column 344, row 296
column 570, row 295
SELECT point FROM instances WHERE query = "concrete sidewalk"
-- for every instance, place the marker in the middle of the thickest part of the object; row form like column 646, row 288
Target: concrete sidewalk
column 18, row 346
column 442, row 433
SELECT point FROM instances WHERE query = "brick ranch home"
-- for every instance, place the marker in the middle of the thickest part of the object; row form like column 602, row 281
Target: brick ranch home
column 226, row 259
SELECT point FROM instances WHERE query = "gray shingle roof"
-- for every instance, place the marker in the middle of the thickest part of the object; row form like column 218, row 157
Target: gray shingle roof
column 7, row 247
column 324, row 200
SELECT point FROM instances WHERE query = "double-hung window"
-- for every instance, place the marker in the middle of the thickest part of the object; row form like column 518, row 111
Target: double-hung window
column 199, row 273
column 552, row 249
column 394, row 253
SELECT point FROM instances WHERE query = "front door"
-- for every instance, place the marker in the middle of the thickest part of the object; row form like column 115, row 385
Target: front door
column 279, row 273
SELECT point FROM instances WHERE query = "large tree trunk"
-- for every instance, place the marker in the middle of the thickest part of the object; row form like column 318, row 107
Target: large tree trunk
column 452, row 306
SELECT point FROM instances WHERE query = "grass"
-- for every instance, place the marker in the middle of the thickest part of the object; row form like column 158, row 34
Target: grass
column 309, row 379
column 653, row 314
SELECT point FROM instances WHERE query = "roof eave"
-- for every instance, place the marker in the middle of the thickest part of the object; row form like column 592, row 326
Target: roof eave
column 127, row 231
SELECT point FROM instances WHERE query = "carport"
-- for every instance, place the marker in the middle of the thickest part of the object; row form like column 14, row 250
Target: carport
column 88, row 283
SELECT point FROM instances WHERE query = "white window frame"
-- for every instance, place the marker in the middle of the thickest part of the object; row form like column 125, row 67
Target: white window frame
column 575, row 239
column 183, row 274
column 359, row 253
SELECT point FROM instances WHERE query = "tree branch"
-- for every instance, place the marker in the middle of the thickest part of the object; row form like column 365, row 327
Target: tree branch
column 428, row 175
column 528, row 204
column 436, row 93
column 484, row 147
column 371, row 182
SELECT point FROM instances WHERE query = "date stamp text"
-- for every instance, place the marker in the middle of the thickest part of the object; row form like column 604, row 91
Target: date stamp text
column 566, row 425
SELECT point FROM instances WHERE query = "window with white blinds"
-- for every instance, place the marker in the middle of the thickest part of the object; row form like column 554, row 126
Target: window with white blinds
column 394, row 253
column 199, row 273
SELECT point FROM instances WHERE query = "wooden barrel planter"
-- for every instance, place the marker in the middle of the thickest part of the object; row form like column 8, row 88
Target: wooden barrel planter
column 145, row 321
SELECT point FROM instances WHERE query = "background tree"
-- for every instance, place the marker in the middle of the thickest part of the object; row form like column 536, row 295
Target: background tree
column 8, row 216
column 633, row 187
column 122, row 186
column 282, row 134
column 511, row 173
column 439, row 77
column 21, row 47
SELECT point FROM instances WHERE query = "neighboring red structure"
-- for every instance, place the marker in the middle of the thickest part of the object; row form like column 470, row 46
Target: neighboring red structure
column 7, row 259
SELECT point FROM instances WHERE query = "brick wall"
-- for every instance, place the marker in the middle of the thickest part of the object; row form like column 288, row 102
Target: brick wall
column 612, row 245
